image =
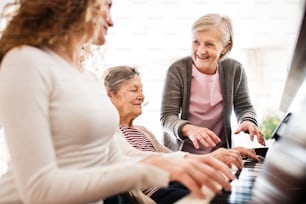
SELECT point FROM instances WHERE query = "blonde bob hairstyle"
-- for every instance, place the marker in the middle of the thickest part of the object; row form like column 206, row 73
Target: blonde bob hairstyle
column 213, row 20
column 43, row 23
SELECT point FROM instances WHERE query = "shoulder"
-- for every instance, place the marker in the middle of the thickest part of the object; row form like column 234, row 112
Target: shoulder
column 143, row 129
column 27, row 59
column 24, row 53
column 231, row 66
column 232, row 63
column 182, row 62
column 27, row 62
column 181, row 66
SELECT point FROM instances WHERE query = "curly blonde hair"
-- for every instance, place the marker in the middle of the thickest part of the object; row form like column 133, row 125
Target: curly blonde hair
column 43, row 23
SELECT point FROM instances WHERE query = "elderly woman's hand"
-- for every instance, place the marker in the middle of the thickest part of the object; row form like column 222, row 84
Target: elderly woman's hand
column 252, row 129
column 200, row 135
column 195, row 171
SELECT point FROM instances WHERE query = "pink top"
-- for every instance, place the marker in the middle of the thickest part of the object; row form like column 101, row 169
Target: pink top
column 206, row 108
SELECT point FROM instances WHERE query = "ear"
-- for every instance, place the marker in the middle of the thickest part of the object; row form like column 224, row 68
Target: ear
column 226, row 47
column 109, row 93
column 112, row 97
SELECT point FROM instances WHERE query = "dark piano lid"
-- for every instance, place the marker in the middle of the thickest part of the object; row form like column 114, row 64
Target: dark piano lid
column 297, row 72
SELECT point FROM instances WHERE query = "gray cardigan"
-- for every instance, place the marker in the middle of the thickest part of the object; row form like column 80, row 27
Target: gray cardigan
column 176, row 99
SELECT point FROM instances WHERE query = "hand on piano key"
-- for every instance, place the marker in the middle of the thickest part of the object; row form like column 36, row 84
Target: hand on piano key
column 192, row 199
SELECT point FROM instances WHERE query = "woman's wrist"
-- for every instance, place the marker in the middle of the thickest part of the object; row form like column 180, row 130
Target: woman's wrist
column 186, row 129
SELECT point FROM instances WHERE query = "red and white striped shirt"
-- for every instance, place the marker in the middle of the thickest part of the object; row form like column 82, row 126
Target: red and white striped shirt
column 138, row 140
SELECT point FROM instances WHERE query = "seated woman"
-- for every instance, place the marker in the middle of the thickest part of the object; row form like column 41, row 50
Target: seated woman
column 124, row 88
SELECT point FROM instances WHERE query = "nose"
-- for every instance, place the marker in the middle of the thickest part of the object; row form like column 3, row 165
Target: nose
column 140, row 97
column 109, row 21
column 108, row 18
column 201, row 49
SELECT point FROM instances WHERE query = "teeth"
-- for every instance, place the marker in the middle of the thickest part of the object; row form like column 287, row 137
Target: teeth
column 205, row 57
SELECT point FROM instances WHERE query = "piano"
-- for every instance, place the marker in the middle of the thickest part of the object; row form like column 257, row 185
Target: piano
column 243, row 185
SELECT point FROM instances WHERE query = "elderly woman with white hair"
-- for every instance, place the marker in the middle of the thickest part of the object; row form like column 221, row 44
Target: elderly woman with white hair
column 124, row 87
column 202, row 90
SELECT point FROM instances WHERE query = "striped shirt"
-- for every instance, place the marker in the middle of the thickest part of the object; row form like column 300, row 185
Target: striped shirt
column 138, row 140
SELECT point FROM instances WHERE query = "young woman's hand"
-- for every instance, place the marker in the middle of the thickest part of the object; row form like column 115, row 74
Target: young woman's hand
column 195, row 171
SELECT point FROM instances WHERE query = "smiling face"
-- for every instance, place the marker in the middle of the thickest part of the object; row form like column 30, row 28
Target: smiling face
column 128, row 100
column 107, row 22
column 207, row 46
column 98, row 30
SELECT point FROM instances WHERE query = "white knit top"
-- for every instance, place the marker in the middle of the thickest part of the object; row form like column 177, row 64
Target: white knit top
column 59, row 126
